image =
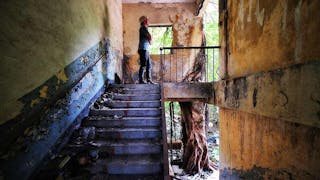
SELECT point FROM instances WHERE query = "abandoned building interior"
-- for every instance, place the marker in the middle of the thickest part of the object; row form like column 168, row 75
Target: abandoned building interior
column 72, row 107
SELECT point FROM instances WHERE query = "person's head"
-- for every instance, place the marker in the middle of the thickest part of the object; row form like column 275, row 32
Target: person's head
column 143, row 21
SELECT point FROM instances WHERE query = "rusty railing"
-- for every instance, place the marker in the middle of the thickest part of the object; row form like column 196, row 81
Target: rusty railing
column 195, row 63
column 179, row 64
column 164, row 133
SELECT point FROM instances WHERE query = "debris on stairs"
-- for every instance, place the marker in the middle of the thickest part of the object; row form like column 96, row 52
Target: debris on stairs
column 120, row 139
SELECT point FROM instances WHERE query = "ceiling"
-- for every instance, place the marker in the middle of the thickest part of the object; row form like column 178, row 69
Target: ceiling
column 158, row 1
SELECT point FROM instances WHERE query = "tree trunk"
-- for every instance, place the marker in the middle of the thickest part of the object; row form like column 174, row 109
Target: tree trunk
column 195, row 155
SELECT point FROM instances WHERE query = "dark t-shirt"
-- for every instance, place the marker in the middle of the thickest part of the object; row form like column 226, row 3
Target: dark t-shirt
column 143, row 38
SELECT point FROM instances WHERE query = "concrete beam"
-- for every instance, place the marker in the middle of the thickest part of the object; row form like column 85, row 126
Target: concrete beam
column 187, row 91
column 291, row 94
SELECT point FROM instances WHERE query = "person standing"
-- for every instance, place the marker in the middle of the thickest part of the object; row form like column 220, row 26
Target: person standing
column 143, row 50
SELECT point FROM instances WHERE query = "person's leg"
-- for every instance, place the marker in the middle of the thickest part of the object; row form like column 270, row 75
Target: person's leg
column 142, row 65
column 141, row 70
column 148, row 68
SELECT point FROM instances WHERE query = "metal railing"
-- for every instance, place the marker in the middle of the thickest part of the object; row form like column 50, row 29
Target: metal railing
column 179, row 65
column 189, row 64
column 164, row 134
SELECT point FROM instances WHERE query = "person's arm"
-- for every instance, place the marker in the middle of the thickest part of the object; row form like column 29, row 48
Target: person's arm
column 149, row 38
column 147, row 34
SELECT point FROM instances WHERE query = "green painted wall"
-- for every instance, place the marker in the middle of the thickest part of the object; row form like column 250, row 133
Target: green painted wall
column 40, row 38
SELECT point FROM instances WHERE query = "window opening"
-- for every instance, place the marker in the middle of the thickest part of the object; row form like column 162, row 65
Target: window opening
column 161, row 37
column 211, row 28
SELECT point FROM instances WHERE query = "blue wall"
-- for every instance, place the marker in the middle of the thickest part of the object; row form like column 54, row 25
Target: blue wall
column 33, row 134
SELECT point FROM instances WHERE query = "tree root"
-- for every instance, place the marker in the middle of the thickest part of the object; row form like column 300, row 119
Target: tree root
column 195, row 156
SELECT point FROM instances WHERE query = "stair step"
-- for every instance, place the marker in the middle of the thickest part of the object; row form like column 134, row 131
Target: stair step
column 133, row 177
column 128, row 133
column 136, row 97
column 133, row 164
column 134, row 91
column 120, row 147
column 132, row 104
column 127, row 112
column 136, row 86
column 98, row 121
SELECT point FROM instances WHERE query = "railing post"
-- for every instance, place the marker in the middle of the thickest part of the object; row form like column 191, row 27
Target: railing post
column 160, row 66
column 213, row 72
column 171, row 106
column 164, row 126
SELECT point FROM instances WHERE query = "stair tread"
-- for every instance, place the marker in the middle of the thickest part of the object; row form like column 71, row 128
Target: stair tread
column 136, row 97
column 129, row 164
column 151, row 94
column 133, row 101
column 134, row 85
column 154, row 176
column 136, row 88
column 125, row 109
column 135, row 159
column 134, row 162
column 123, row 142
column 123, row 122
column 126, row 129
column 130, row 104
column 121, row 118
column 139, row 91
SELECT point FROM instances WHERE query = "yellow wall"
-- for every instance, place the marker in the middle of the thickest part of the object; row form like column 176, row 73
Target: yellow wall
column 266, row 35
column 249, row 140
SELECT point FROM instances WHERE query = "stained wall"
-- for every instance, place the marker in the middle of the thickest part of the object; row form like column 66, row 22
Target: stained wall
column 56, row 57
column 254, row 146
column 39, row 39
column 265, row 35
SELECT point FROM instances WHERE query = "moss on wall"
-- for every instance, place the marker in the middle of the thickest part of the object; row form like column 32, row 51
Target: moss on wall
column 39, row 39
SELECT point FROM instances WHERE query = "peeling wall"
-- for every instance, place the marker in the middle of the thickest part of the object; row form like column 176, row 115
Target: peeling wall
column 55, row 60
column 114, row 33
column 39, row 39
column 274, row 142
column 265, row 35
column 187, row 31
column 289, row 94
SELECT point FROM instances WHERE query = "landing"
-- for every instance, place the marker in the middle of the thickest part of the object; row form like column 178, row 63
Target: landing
column 188, row 91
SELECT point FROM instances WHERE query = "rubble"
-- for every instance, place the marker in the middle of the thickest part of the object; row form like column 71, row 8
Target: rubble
column 179, row 174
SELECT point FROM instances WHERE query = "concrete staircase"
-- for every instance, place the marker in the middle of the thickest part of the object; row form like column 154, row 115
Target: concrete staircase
column 124, row 131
